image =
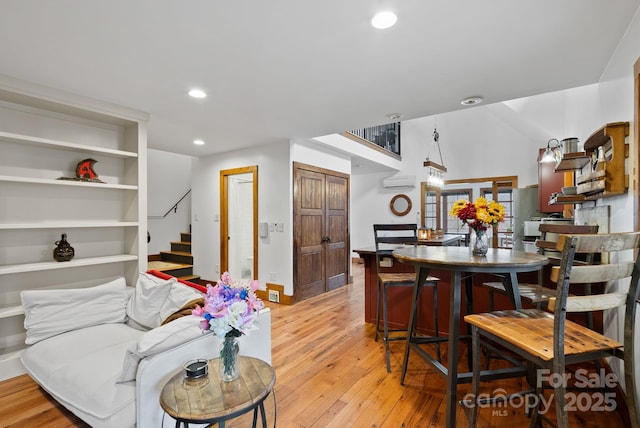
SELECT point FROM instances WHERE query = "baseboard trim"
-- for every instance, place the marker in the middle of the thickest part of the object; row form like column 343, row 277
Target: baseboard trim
column 284, row 299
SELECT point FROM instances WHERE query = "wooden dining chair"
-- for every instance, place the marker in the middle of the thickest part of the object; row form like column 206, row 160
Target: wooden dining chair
column 388, row 236
column 538, row 295
column 548, row 340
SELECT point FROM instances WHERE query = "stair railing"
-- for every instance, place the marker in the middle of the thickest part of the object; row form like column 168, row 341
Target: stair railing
column 385, row 136
column 174, row 208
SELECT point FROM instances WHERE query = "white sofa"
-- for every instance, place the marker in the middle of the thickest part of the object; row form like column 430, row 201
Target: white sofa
column 89, row 369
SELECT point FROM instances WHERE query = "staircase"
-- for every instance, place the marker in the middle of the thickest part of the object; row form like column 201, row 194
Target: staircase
column 178, row 262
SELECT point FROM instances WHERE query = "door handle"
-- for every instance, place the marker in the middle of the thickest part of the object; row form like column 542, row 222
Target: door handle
column 325, row 239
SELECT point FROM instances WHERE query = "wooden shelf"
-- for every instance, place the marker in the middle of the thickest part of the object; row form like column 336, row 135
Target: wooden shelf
column 62, row 145
column 572, row 161
column 604, row 134
column 68, row 225
column 567, row 199
column 604, row 177
column 11, row 311
column 578, row 199
column 89, row 261
column 48, row 181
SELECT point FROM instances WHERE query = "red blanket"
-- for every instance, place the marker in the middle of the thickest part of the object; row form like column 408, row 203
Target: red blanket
column 200, row 288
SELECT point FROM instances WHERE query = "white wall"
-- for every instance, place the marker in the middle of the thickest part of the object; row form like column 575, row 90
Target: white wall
column 484, row 141
column 169, row 178
column 274, row 205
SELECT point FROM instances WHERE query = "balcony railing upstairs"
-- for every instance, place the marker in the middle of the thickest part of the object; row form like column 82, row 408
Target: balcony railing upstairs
column 385, row 137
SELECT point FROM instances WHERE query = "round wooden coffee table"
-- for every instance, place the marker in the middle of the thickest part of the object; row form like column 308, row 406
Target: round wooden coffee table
column 210, row 400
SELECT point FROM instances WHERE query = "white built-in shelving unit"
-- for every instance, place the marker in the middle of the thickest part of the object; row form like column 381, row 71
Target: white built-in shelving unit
column 44, row 133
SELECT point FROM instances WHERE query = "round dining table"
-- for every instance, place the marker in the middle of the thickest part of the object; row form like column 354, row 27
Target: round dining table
column 505, row 263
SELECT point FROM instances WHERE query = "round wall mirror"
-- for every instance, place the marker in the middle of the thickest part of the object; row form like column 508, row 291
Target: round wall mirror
column 400, row 205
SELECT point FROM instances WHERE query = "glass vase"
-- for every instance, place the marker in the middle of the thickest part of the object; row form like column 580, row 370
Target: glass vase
column 229, row 359
column 479, row 242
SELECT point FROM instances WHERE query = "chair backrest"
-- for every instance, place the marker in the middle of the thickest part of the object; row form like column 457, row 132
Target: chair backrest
column 406, row 233
column 568, row 273
column 393, row 235
column 546, row 243
column 612, row 297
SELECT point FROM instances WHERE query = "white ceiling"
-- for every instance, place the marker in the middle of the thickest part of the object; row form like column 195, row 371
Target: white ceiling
column 281, row 69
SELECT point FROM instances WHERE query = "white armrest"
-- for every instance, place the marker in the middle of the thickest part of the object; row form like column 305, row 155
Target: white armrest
column 155, row 371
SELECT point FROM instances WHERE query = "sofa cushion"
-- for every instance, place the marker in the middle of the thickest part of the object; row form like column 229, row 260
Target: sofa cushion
column 179, row 295
column 51, row 312
column 158, row 340
column 80, row 371
column 146, row 302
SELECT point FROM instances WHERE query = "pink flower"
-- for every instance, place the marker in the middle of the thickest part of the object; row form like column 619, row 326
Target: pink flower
column 229, row 307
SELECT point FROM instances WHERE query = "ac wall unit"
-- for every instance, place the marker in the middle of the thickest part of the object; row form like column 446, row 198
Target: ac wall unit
column 400, row 181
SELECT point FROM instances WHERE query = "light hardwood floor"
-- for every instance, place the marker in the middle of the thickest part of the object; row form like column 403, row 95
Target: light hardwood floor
column 329, row 373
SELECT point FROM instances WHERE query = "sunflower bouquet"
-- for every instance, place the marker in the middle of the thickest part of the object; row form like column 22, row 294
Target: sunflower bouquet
column 478, row 215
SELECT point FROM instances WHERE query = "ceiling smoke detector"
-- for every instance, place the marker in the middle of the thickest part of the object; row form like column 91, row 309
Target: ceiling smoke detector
column 471, row 101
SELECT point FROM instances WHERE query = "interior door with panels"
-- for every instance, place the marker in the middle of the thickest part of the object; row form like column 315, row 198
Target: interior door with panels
column 308, row 241
column 337, row 238
column 321, row 231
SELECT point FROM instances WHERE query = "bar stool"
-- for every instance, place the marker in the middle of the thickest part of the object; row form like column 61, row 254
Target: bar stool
column 387, row 235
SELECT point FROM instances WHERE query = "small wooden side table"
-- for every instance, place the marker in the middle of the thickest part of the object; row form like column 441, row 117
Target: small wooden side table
column 210, row 400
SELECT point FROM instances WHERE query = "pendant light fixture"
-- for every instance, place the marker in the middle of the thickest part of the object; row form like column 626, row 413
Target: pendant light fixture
column 435, row 171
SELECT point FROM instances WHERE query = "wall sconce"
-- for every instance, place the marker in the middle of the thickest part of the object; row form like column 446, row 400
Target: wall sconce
column 553, row 151
column 435, row 171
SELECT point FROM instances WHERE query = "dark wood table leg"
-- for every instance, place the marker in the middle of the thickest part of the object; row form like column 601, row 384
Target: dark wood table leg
column 452, row 366
column 421, row 276
column 468, row 288
column 510, row 283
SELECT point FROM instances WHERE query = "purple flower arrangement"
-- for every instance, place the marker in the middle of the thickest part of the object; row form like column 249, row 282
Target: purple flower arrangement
column 230, row 308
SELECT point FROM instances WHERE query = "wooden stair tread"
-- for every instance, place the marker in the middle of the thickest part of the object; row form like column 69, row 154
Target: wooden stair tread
column 163, row 266
column 190, row 278
column 532, row 330
column 181, row 242
column 177, row 253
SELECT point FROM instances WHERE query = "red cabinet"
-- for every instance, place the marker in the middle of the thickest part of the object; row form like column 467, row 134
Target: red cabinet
column 549, row 182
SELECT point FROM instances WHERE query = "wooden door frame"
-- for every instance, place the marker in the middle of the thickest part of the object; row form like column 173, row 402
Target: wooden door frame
column 636, row 147
column 224, row 221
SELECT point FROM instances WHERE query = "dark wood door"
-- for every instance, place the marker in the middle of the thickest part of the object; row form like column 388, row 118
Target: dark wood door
column 320, row 230
column 337, row 231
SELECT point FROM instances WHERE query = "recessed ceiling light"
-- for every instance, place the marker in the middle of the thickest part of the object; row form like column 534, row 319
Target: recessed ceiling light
column 384, row 20
column 198, row 142
column 471, row 101
column 394, row 116
column 197, row 93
